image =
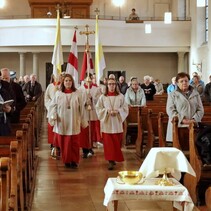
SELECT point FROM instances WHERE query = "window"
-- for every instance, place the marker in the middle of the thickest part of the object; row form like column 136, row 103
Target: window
column 206, row 20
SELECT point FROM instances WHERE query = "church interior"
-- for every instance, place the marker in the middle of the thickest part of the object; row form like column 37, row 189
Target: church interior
column 166, row 37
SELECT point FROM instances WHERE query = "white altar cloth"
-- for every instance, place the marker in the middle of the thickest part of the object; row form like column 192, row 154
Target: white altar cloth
column 178, row 194
column 169, row 158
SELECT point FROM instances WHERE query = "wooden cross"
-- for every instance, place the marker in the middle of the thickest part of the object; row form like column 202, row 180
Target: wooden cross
column 87, row 33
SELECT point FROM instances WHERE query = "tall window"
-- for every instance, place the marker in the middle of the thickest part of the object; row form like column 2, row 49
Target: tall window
column 206, row 20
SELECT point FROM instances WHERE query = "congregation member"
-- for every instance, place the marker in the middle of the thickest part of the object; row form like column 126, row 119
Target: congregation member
column 172, row 87
column 122, row 85
column 159, row 87
column 5, row 110
column 17, row 95
column 50, row 92
column 135, row 94
column 112, row 110
column 200, row 81
column 149, row 88
column 197, row 85
column 26, row 79
column 133, row 15
column 32, row 89
column 67, row 116
column 185, row 102
column 207, row 91
column 87, row 141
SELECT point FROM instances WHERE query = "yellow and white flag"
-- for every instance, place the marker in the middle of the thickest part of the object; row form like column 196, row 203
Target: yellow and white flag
column 99, row 56
column 57, row 58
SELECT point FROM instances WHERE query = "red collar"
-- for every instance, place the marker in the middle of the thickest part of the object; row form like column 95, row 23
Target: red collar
column 111, row 94
column 56, row 83
column 86, row 86
column 94, row 85
column 68, row 91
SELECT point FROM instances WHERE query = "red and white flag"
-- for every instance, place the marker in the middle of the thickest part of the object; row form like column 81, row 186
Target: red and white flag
column 87, row 65
column 72, row 64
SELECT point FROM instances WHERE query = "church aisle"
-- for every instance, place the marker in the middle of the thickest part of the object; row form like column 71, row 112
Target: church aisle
column 59, row 188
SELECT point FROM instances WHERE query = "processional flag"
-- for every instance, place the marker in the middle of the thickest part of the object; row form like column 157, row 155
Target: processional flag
column 87, row 65
column 57, row 58
column 72, row 64
column 100, row 64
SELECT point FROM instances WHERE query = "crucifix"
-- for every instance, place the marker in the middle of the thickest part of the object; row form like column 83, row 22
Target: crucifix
column 87, row 33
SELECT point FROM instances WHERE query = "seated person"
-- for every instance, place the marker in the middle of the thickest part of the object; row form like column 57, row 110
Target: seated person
column 133, row 15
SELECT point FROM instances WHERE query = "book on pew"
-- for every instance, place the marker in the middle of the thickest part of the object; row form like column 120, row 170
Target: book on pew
column 3, row 103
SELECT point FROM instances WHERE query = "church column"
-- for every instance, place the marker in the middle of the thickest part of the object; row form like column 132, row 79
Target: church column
column 181, row 65
column 22, row 64
column 35, row 65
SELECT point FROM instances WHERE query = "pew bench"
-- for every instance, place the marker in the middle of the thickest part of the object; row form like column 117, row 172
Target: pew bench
column 203, row 172
column 9, row 165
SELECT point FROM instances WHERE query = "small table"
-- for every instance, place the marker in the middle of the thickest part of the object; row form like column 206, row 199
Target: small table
column 178, row 194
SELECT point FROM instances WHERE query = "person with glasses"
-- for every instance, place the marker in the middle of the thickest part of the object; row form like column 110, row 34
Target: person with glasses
column 112, row 110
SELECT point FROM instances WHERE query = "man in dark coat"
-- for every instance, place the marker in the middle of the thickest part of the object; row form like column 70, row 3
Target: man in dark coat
column 17, row 95
column 7, row 110
column 32, row 89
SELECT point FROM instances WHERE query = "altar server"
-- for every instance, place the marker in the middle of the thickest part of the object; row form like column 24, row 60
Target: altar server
column 112, row 110
column 67, row 115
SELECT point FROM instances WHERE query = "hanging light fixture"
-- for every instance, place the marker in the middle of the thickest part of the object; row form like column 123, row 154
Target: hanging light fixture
column 200, row 3
column 148, row 29
column 167, row 17
column 2, row 3
column 118, row 3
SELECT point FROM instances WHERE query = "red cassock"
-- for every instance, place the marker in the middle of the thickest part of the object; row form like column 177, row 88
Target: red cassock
column 69, row 146
column 50, row 134
column 112, row 146
column 84, row 138
column 95, row 131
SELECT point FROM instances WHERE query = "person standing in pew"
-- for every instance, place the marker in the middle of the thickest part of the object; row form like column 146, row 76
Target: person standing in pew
column 17, row 95
column 135, row 94
column 185, row 102
column 32, row 89
column 67, row 115
column 172, row 87
column 112, row 110
column 149, row 88
column 6, row 110
column 207, row 91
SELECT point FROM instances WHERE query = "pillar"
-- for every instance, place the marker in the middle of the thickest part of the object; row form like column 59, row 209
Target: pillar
column 35, row 65
column 181, row 65
column 22, row 64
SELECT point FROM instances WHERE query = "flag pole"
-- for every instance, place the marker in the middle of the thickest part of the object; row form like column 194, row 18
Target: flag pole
column 88, row 79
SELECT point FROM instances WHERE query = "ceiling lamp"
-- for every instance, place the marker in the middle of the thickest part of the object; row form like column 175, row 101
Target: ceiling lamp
column 148, row 29
column 167, row 18
column 200, row 3
column 2, row 3
column 118, row 3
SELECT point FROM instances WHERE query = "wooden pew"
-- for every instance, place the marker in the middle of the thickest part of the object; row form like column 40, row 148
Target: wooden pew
column 203, row 172
column 133, row 120
column 149, row 122
column 162, row 128
column 5, row 141
column 9, row 153
column 5, row 170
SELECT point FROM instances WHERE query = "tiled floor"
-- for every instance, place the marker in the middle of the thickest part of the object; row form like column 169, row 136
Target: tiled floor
column 61, row 189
